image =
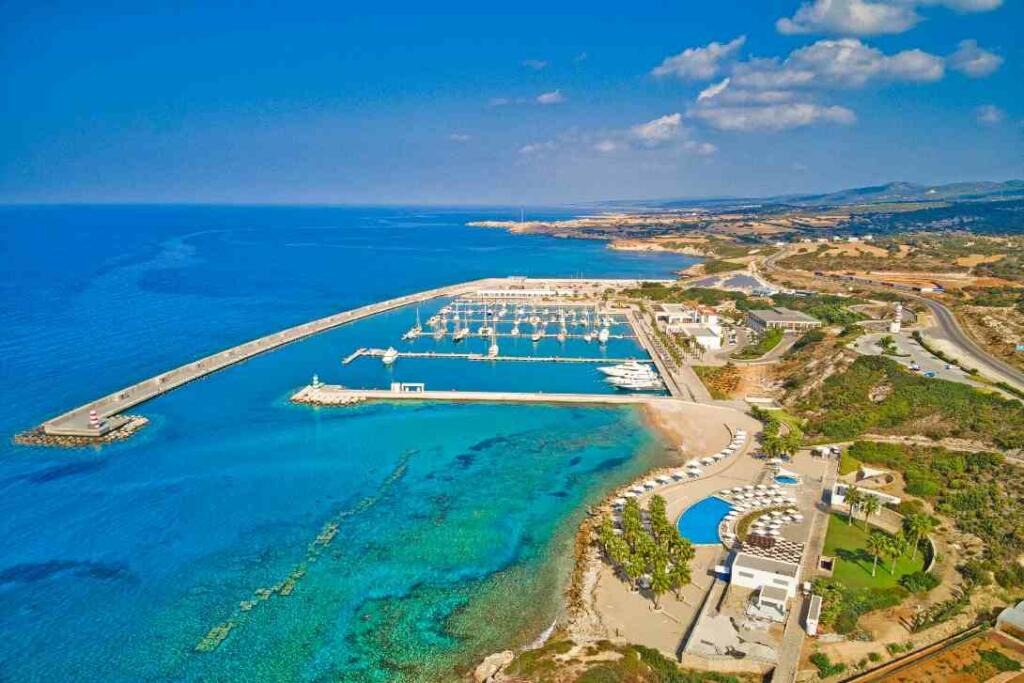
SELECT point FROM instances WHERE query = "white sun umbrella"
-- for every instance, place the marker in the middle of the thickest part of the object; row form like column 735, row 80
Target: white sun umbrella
column 791, row 501
column 629, row 494
column 761, row 487
column 695, row 473
column 662, row 479
column 706, row 461
column 692, row 463
column 619, row 501
column 650, row 484
column 748, row 487
column 774, row 532
column 737, row 489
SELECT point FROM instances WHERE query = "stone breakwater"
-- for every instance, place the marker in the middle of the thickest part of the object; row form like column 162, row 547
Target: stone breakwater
column 322, row 396
column 38, row 437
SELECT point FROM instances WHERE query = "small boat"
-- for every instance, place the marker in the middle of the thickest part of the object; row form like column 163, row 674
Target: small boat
column 459, row 334
column 390, row 356
column 602, row 336
column 588, row 337
column 537, row 335
column 484, row 330
column 515, row 330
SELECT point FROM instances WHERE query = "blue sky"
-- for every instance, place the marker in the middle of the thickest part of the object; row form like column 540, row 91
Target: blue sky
column 554, row 103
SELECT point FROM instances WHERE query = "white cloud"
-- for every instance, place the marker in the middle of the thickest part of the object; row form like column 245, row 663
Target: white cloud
column 553, row 97
column 460, row 137
column 773, row 117
column 713, row 90
column 538, row 147
column 966, row 5
column 607, row 146
column 974, row 61
column 850, row 18
column 659, row 130
column 868, row 17
column 700, row 148
column 535, row 64
column 842, row 63
column 699, row 63
column 989, row 115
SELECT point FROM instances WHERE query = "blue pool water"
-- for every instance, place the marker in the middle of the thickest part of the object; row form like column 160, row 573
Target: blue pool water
column 699, row 523
column 454, row 522
column 787, row 480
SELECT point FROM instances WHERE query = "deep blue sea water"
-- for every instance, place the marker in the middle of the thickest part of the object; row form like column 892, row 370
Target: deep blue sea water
column 444, row 530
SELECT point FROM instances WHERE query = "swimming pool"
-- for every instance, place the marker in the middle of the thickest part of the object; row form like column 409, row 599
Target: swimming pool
column 787, row 480
column 699, row 523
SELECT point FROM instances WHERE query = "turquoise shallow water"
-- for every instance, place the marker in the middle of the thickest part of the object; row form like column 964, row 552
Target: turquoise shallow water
column 451, row 523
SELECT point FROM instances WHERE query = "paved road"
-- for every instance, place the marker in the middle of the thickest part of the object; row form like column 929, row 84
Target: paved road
column 973, row 355
column 946, row 328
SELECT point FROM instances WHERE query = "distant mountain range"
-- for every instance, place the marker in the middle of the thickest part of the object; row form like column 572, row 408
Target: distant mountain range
column 878, row 194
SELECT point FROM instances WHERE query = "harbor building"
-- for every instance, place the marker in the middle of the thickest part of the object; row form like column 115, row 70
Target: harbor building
column 780, row 318
column 700, row 323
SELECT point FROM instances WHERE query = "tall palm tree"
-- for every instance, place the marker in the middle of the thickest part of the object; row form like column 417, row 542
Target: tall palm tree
column 871, row 506
column 918, row 526
column 876, row 544
column 853, row 499
column 897, row 546
column 660, row 582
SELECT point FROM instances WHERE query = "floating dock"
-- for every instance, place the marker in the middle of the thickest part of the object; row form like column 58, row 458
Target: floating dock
column 377, row 353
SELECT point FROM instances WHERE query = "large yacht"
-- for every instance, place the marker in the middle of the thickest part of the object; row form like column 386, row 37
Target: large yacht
column 390, row 356
column 629, row 368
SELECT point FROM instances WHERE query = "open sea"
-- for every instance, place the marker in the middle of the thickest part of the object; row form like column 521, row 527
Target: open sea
column 376, row 543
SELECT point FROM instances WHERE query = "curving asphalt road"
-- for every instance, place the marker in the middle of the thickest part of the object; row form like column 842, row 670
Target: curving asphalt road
column 947, row 328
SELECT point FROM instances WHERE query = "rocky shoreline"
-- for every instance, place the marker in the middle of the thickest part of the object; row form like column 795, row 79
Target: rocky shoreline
column 37, row 437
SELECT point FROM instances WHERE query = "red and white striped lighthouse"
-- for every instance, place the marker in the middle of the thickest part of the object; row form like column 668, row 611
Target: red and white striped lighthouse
column 94, row 420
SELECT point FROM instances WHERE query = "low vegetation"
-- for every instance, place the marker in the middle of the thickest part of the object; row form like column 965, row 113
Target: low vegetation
column 826, row 668
column 606, row 662
column 715, row 266
column 876, row 394
column 721, row 381
column 768, row 341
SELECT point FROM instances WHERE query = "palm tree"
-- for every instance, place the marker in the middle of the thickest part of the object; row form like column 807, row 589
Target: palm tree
column 876, row 544
column 772, row 445
column 792, row 441
column 871, row 506
column 660, row 582
column 853, row 499
column 917, row 526
column 897, row 546
column 679, row 576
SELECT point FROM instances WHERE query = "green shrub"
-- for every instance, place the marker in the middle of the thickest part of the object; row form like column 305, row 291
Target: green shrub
column 825, row 667
column 919, row 582
column 1000, row 661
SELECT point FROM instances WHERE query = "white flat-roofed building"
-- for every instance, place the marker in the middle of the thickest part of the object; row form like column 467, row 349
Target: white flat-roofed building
column 780, row 318
column 775, row 566
column 708, row 339
column 840, row 490
column 813, row 616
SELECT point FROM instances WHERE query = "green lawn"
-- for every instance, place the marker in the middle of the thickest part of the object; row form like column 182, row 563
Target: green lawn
column 845, row 542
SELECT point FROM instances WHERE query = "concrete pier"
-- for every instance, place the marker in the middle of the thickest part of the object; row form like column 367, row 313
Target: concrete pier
column 332, row 394
column 76, row 422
